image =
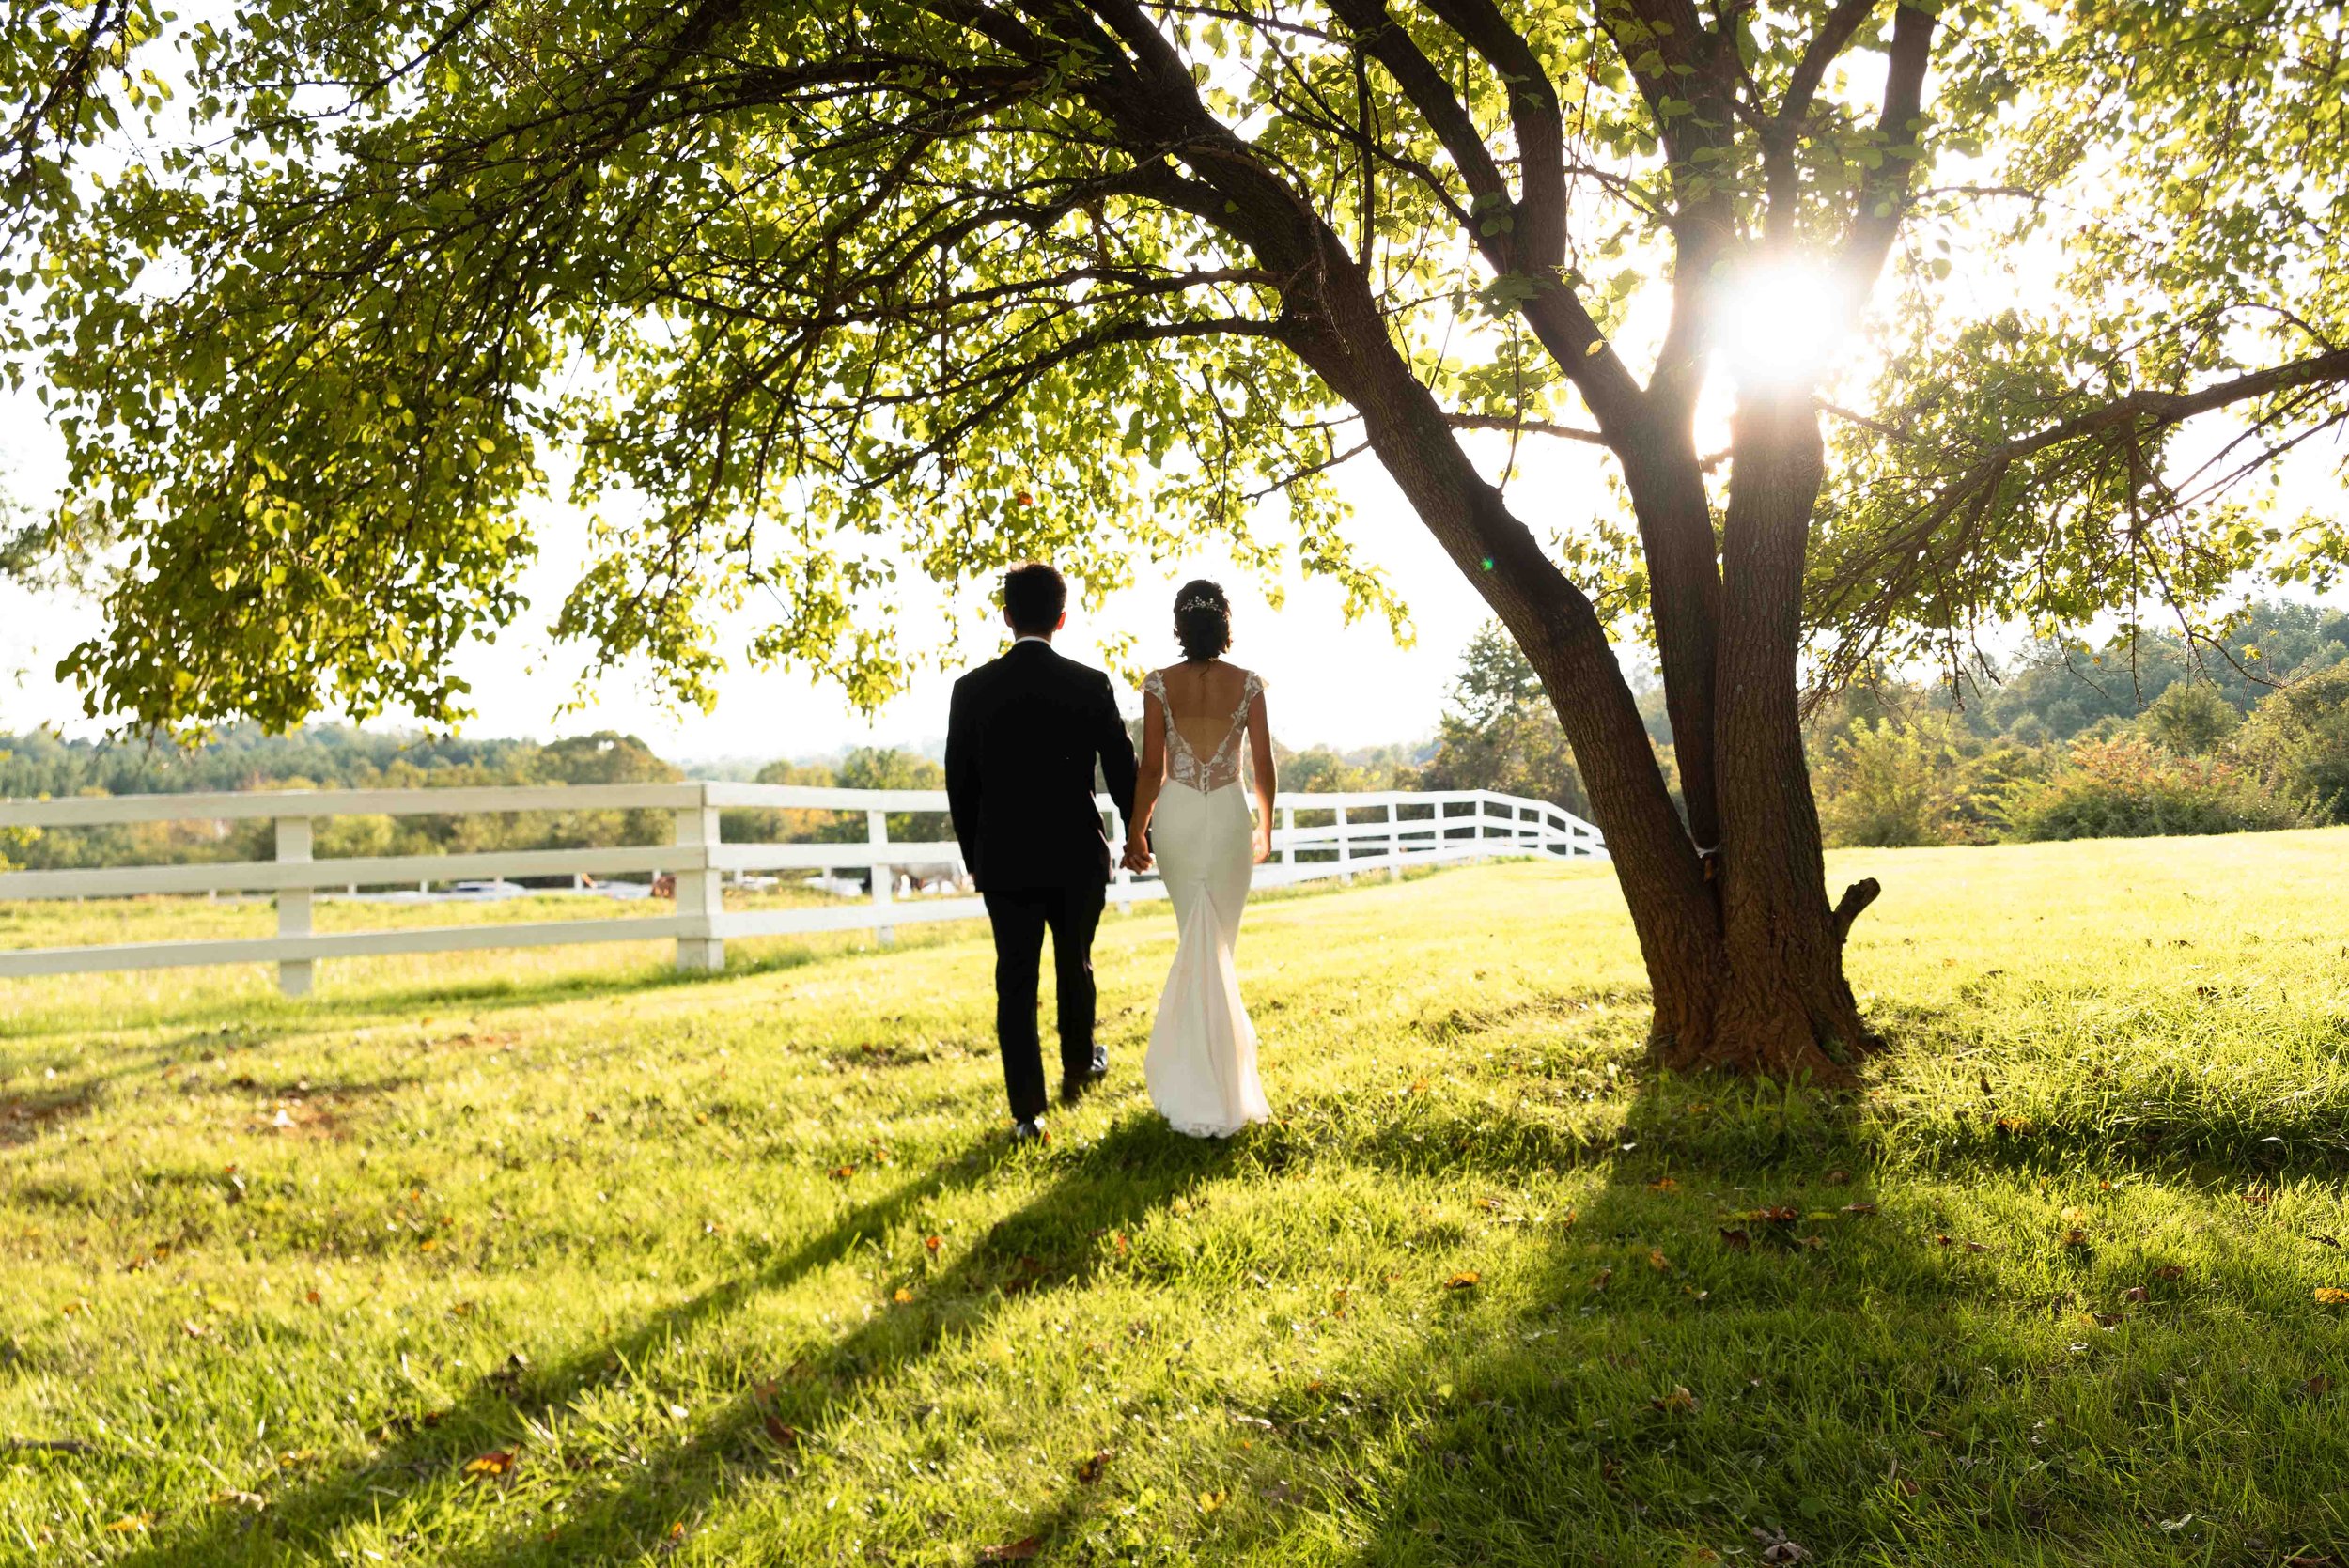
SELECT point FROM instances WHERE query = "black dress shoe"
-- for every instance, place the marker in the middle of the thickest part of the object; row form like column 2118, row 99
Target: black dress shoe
column 1073, row 1087
column 1030, row 1131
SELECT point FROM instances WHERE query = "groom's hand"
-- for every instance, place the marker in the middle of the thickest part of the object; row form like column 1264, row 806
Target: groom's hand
column 1137, row 856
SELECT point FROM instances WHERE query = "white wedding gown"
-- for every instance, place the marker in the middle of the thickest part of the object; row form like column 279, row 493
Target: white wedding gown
column 1200, row 1067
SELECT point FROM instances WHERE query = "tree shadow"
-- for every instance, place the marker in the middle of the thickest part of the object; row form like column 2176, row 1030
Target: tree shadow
column 1114, row 1181
column 1762, row 1331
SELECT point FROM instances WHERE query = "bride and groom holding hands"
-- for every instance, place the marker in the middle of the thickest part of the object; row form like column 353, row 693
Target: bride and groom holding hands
column 1022, row 737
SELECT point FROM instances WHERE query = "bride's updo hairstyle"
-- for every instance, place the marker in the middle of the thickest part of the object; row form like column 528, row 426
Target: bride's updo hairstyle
column 1203, row 621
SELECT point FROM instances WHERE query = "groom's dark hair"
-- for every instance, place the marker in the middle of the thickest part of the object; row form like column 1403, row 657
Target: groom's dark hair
column 1034, row 598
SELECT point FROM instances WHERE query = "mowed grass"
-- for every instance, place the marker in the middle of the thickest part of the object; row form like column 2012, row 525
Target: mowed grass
column 556, row 1258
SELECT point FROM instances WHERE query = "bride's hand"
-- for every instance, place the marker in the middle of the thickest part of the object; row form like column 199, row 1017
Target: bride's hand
column 1137, row 856
column 1263, row 845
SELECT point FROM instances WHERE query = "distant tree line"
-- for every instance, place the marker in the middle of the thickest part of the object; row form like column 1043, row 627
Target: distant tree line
column 2139, row 736
column 325, row 757
column 2142, row 735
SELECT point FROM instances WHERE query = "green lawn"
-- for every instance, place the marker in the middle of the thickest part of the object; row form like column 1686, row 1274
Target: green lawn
column 552, row 1257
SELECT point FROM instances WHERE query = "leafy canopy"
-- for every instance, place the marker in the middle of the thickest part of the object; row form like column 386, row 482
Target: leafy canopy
column 814, row 305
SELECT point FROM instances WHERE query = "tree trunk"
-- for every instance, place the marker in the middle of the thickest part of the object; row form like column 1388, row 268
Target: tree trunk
column 1743, row 954
column 1786, row 1008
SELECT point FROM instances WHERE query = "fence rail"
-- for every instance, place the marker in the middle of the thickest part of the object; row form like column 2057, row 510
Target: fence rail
column 1363, row 833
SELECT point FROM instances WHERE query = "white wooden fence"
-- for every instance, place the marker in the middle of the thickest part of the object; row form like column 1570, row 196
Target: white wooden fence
column 1364, row 832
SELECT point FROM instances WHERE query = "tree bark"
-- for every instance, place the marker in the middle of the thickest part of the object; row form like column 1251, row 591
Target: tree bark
column 1786, row 1009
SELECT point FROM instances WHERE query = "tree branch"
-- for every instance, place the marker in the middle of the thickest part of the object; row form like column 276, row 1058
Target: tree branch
column 1523, row 427
column 1884, row 192
column 1782, row 179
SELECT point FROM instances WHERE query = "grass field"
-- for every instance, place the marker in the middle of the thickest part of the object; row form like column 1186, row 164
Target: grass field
column 556, row 1258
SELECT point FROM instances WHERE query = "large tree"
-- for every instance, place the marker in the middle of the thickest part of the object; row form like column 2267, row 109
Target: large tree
column 827, row 297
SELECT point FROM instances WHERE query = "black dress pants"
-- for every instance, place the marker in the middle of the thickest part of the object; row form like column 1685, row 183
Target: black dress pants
column 1021, row 916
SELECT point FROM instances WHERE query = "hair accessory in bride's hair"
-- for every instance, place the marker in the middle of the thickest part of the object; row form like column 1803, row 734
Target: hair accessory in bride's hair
column 1198, row 601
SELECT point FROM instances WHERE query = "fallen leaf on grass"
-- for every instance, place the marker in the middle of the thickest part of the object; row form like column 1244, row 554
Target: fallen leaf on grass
column 1657, row 1261
column 1662, row 1184
column 1210, row 1501
column 240, row 1500
column 1859, row 1208
column 1777, row 1548
column 2135, row 1293
column 1736, row 1241
column 1598, row 1280
column 2332, row 1296
column 1679, row 1401
column 1089, row 1468
column 2170, row 1271
column 132, row 1525
column 784, row 1437
column 1018, row 1551
column 2309, row 1562
column 902, row 1297
column 497, row 1462
column 2318, row 1386
column 842, row 1172
column 1464, row 1279
column 932, row 1243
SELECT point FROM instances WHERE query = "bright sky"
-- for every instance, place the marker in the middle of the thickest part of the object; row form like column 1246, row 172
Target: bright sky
column 1345, row 686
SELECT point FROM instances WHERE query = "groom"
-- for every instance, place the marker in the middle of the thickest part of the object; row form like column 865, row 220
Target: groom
column 1020, row 738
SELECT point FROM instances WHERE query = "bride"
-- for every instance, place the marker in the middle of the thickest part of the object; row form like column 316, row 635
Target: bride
column 1190, row 808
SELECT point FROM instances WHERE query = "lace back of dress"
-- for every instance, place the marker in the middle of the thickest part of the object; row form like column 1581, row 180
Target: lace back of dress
column 1183, row 764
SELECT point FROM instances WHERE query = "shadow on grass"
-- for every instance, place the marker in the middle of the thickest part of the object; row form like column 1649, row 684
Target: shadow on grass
column 1115, row 1181
column 1761, row 1342
column 268, row 1018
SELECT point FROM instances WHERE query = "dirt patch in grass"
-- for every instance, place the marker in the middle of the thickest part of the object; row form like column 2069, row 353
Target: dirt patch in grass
column 25, row 1116
column 304, row 1110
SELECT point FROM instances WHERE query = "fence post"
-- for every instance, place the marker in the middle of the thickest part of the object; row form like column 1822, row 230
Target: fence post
column 1288, row 835
column 1345, row 849
column 700, row 893
column 1394, row 843
column 293, row 904
column 876, row 834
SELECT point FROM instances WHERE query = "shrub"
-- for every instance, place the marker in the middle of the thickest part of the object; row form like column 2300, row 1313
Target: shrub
column 1888, row 783
column 2297, row 741
column 2127, row 787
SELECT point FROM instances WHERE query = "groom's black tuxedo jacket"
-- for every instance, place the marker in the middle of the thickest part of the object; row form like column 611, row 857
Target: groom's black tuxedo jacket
column 1020, row 739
